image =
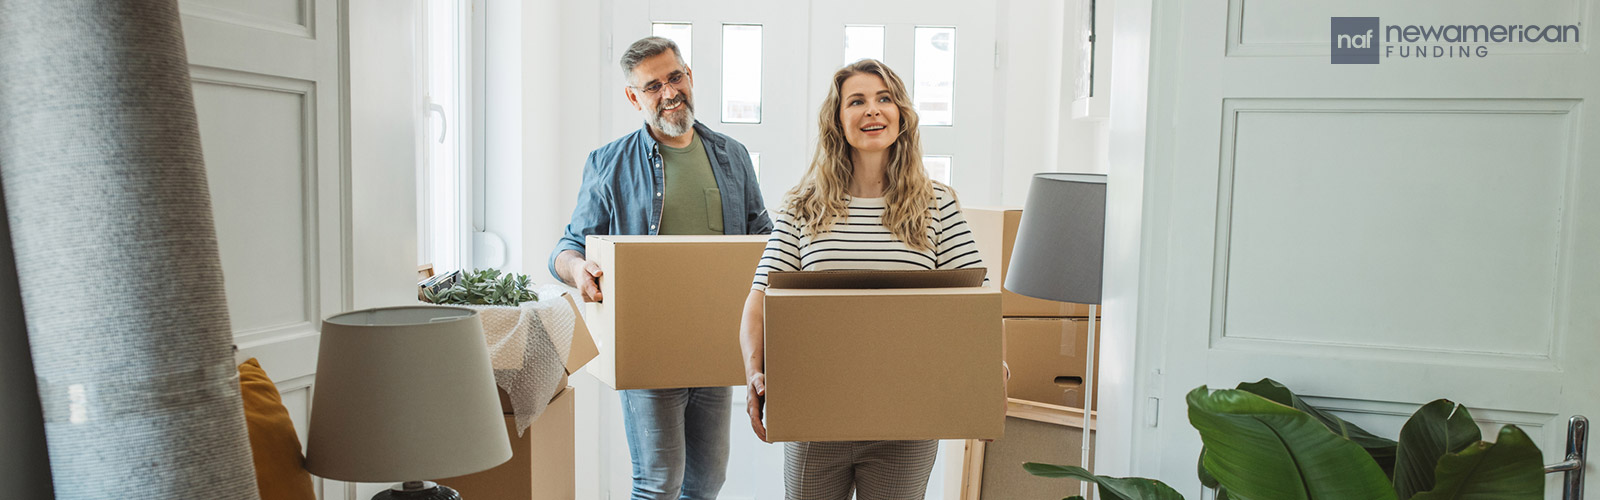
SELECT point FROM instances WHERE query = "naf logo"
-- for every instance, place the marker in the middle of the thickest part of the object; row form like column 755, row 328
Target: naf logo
column 1354, row 40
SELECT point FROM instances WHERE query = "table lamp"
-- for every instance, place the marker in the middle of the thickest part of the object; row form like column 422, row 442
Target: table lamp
column 1058, row 254
column 404, row 394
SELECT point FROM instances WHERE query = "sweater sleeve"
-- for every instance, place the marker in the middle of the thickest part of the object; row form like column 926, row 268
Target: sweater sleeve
column 955, row 248
column 782, row 253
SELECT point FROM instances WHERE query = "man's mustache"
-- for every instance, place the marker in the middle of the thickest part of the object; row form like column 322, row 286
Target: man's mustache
column 671, row 102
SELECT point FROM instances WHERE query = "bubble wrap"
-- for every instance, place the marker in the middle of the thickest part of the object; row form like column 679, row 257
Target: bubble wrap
column 528, row 347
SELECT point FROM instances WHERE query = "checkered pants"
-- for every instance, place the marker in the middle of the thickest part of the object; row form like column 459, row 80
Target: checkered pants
column 875, row 470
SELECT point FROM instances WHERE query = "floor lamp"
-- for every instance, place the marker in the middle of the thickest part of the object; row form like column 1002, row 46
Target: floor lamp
column 1058, row 254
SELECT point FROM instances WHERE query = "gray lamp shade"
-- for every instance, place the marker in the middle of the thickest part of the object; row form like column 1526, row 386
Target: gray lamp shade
column 405, row 394
column 1061, row 239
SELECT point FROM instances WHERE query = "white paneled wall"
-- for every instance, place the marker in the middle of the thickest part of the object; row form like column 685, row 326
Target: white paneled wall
column 1342, row 227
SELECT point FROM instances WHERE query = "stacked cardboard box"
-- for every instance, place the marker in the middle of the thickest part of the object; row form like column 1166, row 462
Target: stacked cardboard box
column 1047, row 351
column 670, row 310
column 1047, row 359
column 1046, row 341
column 543, row 463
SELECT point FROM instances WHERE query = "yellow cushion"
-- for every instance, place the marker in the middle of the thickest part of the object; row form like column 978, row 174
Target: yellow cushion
column 280, row 467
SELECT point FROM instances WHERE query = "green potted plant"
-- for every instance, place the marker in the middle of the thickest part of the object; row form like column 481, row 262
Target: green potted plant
column 484, row 287
column 1262, row 442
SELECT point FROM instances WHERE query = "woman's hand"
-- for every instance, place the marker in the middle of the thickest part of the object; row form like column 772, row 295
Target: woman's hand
column 756, row 402
column 752, row 340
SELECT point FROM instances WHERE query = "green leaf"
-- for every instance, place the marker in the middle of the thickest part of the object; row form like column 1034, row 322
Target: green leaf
column 1206, row 479
column 1381, row 449
column 1111, row 488
column 1510, row 468
column 487, row 287
column 1438, row 428
column 1200, row 469
column 1260, row 449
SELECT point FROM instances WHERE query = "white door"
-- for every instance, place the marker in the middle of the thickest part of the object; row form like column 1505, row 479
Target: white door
column 1373, row 236
column 748, row 80
column 945, row 53
column 267, row 93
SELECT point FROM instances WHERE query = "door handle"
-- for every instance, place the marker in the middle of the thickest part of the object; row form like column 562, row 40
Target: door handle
column 1572, row 467
column 444, row 123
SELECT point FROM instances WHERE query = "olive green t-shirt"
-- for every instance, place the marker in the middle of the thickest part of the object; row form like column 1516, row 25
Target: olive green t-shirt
column 692, row 204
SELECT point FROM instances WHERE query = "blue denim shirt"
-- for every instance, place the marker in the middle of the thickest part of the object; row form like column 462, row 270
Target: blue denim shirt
column 622, row 181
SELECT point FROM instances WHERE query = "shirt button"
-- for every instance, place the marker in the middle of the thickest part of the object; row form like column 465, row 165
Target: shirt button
column 658, row 194
column 652, row 226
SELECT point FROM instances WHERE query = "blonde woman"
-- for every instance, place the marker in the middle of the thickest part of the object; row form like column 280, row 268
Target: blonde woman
column 864, row 203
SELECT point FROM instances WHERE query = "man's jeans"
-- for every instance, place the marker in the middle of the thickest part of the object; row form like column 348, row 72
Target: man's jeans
column 678, row 438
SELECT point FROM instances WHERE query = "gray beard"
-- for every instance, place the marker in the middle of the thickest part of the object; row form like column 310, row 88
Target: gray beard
column 673, row 128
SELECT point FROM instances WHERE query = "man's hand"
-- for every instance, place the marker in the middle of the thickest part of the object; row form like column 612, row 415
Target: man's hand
column 584, row 274
column 755, row 402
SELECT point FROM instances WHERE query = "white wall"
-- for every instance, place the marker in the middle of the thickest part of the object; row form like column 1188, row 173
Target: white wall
column 540, row 122
column 585, row 53
column 1125, row 145
column 383, row 165
column 383, row 151
column 1038, row 132
column 541, row 118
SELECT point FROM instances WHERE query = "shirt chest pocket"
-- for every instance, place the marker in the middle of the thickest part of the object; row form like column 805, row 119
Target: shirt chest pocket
column 714, row 209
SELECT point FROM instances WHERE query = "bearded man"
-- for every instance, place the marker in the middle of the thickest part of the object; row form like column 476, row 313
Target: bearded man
column 672, row 176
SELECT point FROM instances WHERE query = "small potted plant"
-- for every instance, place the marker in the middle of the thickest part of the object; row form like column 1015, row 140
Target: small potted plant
column 484, row 287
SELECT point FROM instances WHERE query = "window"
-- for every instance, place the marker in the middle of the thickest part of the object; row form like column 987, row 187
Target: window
column 679, row 33
column 938, row 167
column 442, row 168
column 741, row 73
column 933, row 87
column 863, row 42
column 1083, row 87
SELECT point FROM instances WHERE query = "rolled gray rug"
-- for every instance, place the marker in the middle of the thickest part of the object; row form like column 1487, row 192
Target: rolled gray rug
column 24, row 465
column 110, row 214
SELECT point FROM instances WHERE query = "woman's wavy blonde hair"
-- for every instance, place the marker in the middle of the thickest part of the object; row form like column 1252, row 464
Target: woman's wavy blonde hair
column 821, row 198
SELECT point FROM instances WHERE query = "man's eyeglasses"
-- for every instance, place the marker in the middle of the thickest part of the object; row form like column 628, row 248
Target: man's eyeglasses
column 676, row 79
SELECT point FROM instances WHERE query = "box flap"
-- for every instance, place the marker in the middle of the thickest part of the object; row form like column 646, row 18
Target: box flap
column 656, row 239
column 858, row 279
column 583, row 347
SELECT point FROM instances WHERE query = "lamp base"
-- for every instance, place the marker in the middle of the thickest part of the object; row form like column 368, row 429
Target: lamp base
column 418, row 490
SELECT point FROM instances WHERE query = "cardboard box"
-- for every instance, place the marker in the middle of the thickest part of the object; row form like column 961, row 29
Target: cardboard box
column 995, row 232
column 584, row 349
column 1052, row 435
column 543, row 463
column 671, row 310
column 878, row 362
column 1047, row 359
column 505, row 398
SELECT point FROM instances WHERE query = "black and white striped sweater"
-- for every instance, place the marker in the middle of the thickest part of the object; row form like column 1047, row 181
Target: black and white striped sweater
column 862, row 242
